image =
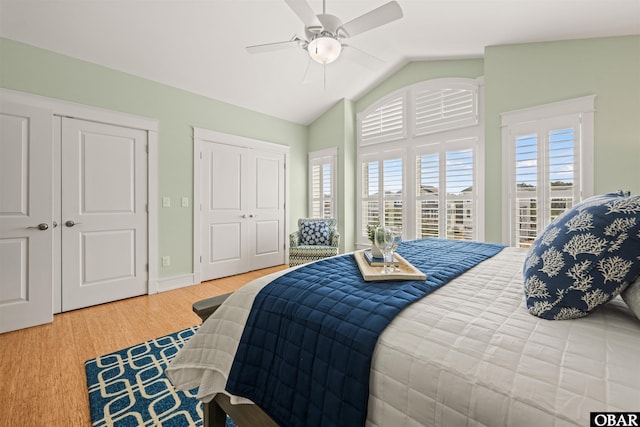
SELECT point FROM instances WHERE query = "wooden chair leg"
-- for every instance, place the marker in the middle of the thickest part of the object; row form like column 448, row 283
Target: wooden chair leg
column 213, row 415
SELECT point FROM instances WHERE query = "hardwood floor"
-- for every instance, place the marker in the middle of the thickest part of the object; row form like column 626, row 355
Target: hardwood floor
column 42, row 377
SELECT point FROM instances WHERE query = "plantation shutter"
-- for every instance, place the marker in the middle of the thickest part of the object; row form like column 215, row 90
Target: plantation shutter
column 382, row 192
column 316, row 189
column 546, row 177
column 445, row 193
column 322, row 184
column 460, row 196
column 437, row 110
column 526, row 188
column 370, row 194
column 393, row 192
column 563, row 175
column 428, row 195
column 385, row 123
column 327, row 190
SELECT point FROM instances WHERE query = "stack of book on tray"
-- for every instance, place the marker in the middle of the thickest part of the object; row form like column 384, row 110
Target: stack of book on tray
column 371, row 268
column 377, row 262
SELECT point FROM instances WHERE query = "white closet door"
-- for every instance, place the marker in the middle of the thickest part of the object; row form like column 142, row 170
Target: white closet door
column 104, row 213
column 243, row 209
column 266, row 192
column 224, row 214
column 26, row 204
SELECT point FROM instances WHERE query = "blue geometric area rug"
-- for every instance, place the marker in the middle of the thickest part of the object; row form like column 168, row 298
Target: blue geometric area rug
column 128, row 388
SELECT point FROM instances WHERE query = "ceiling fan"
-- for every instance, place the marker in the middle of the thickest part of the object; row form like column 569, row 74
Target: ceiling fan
column 325, row 34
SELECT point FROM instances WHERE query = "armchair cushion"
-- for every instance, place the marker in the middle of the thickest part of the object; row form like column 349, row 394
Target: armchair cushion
column 314, row 232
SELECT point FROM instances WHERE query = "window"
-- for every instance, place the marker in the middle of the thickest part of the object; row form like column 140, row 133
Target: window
column 383, row 192
column 426, row 176
column 450, row 213
column 322, row 183
column 548, row 155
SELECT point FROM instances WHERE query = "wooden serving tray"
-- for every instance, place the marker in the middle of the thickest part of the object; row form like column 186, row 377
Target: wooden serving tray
column 369, row 273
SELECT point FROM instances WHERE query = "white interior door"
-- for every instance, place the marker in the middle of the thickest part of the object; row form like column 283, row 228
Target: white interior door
column 104, row 213
column 26, row 198
column 266, row 192
column 224, row 212
column 243, row 209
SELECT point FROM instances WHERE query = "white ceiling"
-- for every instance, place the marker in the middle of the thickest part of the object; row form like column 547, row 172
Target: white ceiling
column 198, row 45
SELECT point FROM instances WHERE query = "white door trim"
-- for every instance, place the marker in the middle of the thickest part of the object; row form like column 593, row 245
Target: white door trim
column 201, row 136
column 101, row 115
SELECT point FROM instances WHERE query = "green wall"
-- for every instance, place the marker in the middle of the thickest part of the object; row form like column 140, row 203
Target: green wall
column 28, row 69
column 336, row 128
column 525, row 75
column 516, row 76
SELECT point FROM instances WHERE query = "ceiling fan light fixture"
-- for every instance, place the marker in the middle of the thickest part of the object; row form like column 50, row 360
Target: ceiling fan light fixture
column 324, row 49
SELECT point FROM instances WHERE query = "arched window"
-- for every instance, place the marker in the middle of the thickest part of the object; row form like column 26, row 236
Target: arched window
column 420, row 156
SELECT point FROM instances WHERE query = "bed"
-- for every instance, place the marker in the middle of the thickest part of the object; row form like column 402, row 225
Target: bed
column 467, row 354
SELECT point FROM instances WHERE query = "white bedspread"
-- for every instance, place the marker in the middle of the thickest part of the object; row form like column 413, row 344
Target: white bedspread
column 468, row 354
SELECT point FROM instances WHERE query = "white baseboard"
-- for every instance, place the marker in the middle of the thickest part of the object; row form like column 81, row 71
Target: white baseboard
column 175, row 282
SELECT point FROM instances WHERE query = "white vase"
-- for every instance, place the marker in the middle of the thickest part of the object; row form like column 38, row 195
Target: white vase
column 376, row 252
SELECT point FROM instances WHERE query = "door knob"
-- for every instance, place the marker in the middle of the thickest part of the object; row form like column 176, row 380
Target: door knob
column 43, row 226
column 71, row 223
column 243, row 216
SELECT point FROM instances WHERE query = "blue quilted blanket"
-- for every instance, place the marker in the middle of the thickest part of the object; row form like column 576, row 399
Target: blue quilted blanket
column 305, row 353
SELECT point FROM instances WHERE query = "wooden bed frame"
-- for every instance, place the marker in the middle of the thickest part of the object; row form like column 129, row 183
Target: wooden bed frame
column 215, row 412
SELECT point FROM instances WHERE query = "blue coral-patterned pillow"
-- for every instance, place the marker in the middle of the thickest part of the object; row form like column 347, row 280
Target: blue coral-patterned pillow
column 314, row 233
column 584, row 258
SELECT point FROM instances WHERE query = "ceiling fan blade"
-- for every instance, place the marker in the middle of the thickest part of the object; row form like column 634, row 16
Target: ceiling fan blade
column 382, row 15
column 270, row 47
column 304, row 12
column 361, row 57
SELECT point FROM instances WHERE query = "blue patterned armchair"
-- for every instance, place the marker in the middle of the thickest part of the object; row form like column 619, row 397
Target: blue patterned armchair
column 315, row 239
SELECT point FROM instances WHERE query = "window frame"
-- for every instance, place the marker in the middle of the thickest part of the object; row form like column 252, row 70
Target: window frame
column 577, row 113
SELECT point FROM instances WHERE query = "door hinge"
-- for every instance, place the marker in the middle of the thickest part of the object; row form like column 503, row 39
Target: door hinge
column 147, row 149
column 147, row 267
column 201, row 155
column 201, row 259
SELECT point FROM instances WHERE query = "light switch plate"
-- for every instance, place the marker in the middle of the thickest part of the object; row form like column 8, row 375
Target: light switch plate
column 185, row 202
column 166, row 202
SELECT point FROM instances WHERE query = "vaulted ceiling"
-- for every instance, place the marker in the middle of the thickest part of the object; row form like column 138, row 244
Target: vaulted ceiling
column 199, row 45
